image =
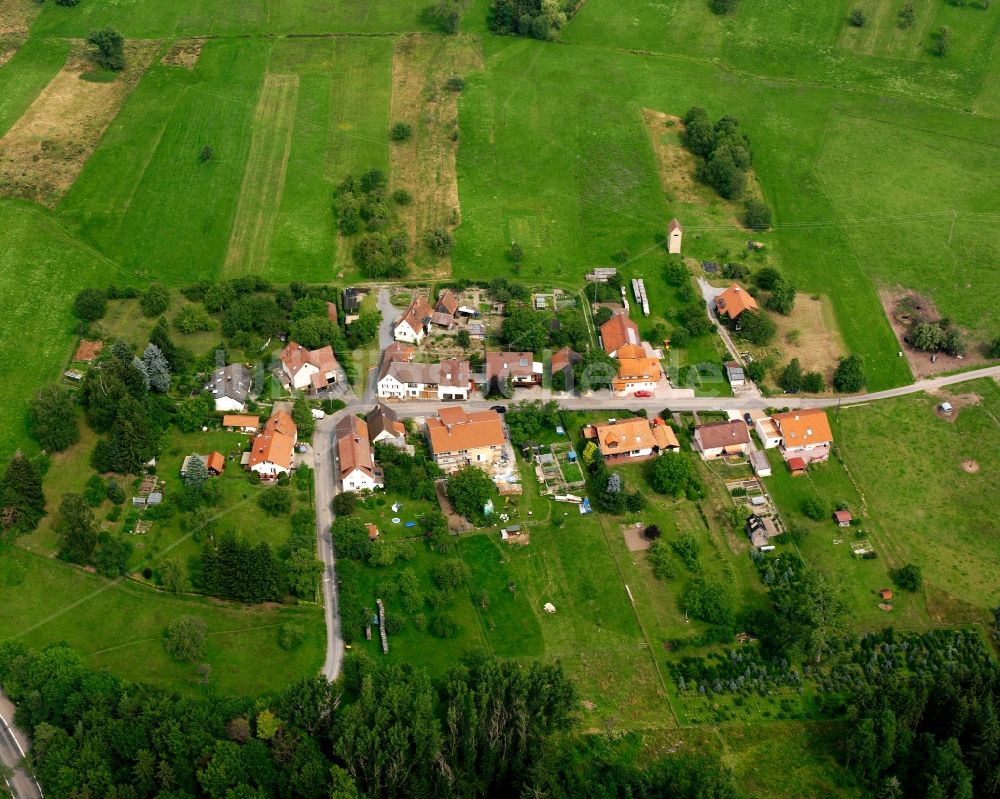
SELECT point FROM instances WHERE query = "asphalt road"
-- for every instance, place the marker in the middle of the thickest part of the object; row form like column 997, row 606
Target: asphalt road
column 325, row 481
column 13, row 745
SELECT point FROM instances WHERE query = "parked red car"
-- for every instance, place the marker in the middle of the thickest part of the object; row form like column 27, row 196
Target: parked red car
column 643, row 394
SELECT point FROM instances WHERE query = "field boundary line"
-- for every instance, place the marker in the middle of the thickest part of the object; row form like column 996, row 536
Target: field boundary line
column 638, row 621
column 263, row 184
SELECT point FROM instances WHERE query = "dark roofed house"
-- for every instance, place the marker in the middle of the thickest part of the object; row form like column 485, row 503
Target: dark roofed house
column 760, row 529
column 352, row 299
column 721, row 439
column 520, row 367
column 384, row 426
column 230, row 386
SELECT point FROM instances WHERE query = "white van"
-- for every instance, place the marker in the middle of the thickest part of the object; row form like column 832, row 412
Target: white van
column 318, row 414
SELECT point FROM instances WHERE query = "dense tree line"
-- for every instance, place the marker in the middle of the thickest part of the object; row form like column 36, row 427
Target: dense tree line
column 537, row 19
column 234, row 568
column 489, row 729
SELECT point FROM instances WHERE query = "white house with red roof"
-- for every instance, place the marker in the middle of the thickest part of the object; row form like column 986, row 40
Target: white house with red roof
column 310, row 370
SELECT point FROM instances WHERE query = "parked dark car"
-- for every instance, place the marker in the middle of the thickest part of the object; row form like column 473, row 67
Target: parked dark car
column 499, row 408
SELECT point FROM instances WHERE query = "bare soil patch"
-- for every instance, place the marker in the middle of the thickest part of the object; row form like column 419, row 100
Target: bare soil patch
column 44, row 151
column 425, row 165
column 903, row 307
column 677, row 166
column 970, row 466
column 958, row 402
column 183, row 53
column 810, row 333
column 634, row 539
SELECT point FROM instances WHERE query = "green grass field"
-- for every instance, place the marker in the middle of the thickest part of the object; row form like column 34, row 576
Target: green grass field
column 119, row 626
column 866, row 145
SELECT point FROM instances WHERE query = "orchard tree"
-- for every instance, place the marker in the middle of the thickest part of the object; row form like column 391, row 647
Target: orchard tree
column 782, row 299
column 849, row 376
column 90, row 305
column 314, row 332
column 52, row 419
column 757, row 327
column 670, row 473
column 155, row 299
column 469, row 489
column 185, row 638
column 439, row 242
column 109, row 47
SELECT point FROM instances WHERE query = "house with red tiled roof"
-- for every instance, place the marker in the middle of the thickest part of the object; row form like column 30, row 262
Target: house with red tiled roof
column 734, row 301
column 355, row 462
column 271, row 452
column 459, row 438
column 309, row 370
column 633, row 440
column 804, row 434
column 617, row 332
column 384, row 426
column 414, row 322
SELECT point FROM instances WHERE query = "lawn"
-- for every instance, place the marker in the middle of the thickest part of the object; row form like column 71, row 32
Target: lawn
column 901, row 449
column 119, row 626
column 25, row 75
column 41, row 268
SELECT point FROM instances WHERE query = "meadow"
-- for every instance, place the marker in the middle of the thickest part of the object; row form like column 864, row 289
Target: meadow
column 120, row 626
column 554, row 152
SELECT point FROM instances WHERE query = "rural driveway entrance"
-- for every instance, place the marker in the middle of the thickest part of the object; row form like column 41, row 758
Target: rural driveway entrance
column 13, row 746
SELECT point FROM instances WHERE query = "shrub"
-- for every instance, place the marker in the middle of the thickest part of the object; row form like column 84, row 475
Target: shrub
column 290, row 636
column 722, row 7
column 454, row 83
column 67, row 3
column 758, row 215
column 439, row 242
column 206, row 154
column 401, row 131
column 444, row 626
column 908, row 577
column 813, row 508
column 662, row 561
column 857, row 18
column 942, row 41
column 402, row 197
column 687, row 549
column 185, row 638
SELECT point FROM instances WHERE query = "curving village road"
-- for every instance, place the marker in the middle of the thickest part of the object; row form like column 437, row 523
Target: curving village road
column 14, row 744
